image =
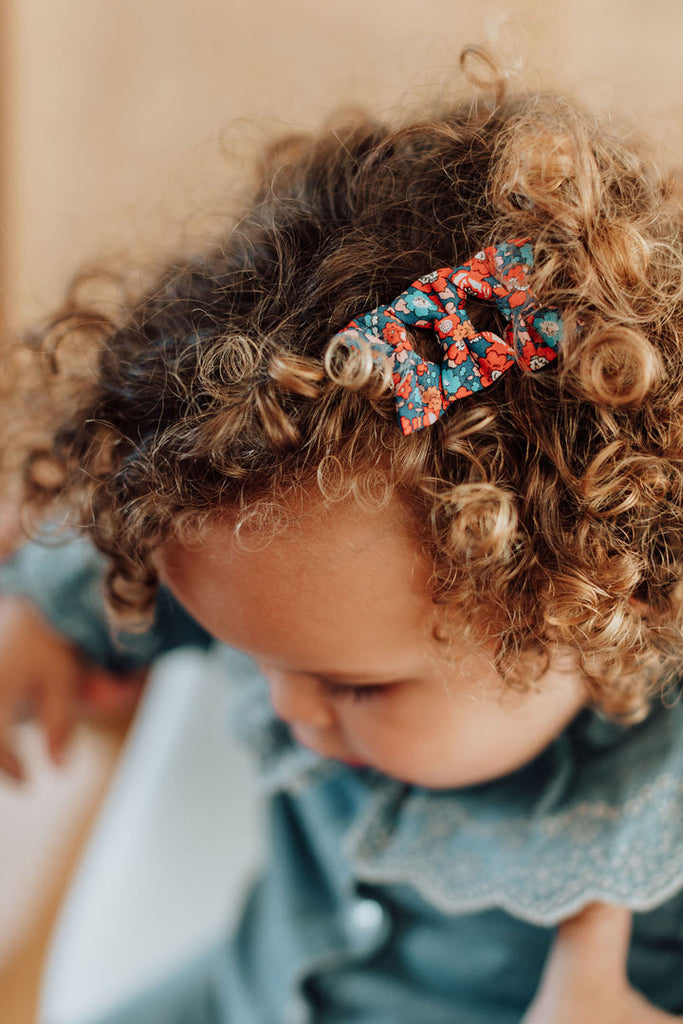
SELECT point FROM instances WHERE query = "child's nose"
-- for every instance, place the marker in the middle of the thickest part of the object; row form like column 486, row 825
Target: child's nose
column 297, row 699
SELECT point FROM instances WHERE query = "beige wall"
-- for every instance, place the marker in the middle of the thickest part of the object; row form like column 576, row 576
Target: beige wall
column 120, row 112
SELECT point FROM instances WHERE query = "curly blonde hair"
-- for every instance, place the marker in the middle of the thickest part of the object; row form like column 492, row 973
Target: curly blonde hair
column 553, row 500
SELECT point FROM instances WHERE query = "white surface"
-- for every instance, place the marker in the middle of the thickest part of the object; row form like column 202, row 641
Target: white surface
column 176, row 841
column 39, row 819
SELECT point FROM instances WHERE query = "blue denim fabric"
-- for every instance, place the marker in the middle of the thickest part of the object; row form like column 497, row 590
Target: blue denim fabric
column 303, row 953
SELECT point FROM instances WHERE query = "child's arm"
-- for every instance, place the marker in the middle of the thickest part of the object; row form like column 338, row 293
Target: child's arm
column 585, row 977
column 54, row 639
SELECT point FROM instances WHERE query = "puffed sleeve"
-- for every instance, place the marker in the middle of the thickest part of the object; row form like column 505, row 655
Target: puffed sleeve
column 64, row 580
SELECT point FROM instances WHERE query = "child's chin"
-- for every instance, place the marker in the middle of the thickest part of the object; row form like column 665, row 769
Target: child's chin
column 348, row 759
column 352, row 762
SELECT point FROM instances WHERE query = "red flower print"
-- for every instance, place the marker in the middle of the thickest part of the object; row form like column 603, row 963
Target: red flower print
column 466, row 281
column 442, row 280
column 498, row 358
column 437, row 281
column 480, row 264
column 517, row 297
column 404, row 389
column 395, row 335
column 432, row 399
column 456, row 353
column 531, row 351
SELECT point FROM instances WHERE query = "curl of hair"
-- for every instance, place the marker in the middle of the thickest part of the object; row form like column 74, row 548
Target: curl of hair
column 482, row 523
column 614, row 365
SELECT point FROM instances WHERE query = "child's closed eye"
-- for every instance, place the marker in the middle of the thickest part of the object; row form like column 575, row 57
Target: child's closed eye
column 333, row 688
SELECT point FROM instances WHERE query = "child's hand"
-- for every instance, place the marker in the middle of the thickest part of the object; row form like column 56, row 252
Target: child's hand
column 43, row 673
column 40, row 672
column 585, row 981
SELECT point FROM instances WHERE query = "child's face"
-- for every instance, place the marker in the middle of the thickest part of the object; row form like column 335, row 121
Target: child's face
column 337, row 613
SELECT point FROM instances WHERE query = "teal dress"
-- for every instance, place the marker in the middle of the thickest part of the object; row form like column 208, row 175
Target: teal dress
column 384, row 902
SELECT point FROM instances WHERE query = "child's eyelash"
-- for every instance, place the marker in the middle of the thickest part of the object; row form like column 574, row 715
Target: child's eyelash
column 357, row 693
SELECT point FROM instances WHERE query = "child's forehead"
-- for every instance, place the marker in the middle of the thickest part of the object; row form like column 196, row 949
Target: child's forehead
column 360, row 554
column 342, row 534
column 349, row 583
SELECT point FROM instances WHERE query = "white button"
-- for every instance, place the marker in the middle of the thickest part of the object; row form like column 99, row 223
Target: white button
column 297, row 1012
column 366, row 918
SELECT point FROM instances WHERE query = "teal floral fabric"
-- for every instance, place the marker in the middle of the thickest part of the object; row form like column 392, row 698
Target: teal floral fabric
column 472, row 359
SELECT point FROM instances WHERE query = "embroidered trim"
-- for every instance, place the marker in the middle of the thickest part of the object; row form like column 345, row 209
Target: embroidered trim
column 540, row 871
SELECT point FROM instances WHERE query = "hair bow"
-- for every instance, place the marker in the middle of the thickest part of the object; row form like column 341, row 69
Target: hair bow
column 471, row 360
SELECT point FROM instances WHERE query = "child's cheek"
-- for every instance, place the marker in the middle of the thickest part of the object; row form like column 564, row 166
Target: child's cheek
column 378, row 723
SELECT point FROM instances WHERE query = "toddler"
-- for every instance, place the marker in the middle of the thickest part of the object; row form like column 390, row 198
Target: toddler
column 408, row 441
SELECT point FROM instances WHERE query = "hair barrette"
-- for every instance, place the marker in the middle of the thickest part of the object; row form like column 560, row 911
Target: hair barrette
column 472, row 360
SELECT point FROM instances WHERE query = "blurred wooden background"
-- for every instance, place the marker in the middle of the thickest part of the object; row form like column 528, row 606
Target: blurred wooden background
column 121, row 117
column 126, row 123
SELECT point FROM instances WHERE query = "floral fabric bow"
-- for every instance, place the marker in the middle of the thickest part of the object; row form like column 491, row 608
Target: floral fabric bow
column 471, row 360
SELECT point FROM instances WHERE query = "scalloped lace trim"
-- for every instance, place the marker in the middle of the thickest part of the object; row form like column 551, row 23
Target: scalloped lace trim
column 541, row 871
